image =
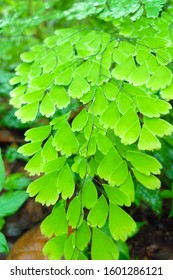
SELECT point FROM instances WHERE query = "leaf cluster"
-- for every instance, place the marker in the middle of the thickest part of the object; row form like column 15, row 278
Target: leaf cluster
column 122, row 82
column 114, row 9
column 12, row 197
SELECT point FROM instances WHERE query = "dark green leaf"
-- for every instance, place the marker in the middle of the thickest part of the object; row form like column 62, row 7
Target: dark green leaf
column 2, row 172
column 11, row 201
column 3, row 244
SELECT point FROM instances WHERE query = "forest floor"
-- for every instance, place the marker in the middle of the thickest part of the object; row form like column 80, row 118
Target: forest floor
column 154, row 241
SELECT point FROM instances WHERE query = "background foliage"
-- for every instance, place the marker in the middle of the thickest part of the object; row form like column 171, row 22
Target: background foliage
column 94, row 96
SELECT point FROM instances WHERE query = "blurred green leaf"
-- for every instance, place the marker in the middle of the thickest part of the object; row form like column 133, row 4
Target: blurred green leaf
column 3, row 244
column 2, row 172
column 11, row 201
column 11, row 155
column 16, row 182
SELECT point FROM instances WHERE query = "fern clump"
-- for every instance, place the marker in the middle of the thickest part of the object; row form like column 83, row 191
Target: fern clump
column 88, row 160
column 113, row 9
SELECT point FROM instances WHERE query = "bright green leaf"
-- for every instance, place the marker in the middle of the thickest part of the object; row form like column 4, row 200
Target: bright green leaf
column 35, row 70
column 152, row 64
column 140, row 76
column 158, row 127
column 119, row 174
column 167, row 93
column 15, row 80
column 49, row 62
column 70, row 251
column 65, row 141
column 124, row 69
column 98, row 214
column 53, row 165
column 84, row 68
column 32, row 97
column 78, row 87
column 128, row 188
column 45, row 189
column 16, row 102
column 47, row 107
column 103, row 143
column 144, row 163
column 153, row 7
column 82, row 236
column 160, row 79
column 111, row 160
column 127, row 48
column 80, row 166
column 88, row 127
column 163, row 56
column 147, row 140
column 128, row 127
column 27, row 112
column 152, row 107
column 80, row 121
column 110, row 91
column 103, row 247
column 65, row 182
column 55, row 223
column 59, row 121
column 99, row 104
column 60, row 97
column 142, row 55
column 110, row 116
column 28, row 56
column 119, row 56
column 30, row 148
column 54, row 248
column 48, row 151
column 149, row 181
column 94, row 73
column 158, row 42
column 124, row 102
column 64, row 77
column 116, row 196
column 89, row 148
column 34, row 165
column 74, row 212
column 37, row 133
column 42, row 82
column 18, row 91
column 89, row 195
column 121, row 225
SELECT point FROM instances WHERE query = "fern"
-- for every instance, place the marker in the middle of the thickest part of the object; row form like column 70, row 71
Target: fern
column 113, row 9
column 89, row 161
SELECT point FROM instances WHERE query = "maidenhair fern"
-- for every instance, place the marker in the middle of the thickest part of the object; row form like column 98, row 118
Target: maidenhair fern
column 113, row 9
column 88, row 160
